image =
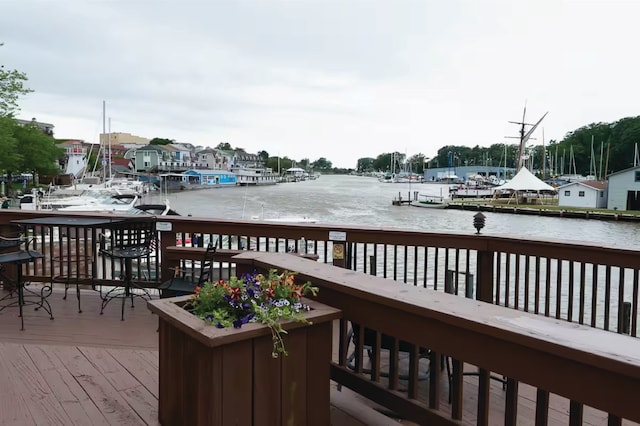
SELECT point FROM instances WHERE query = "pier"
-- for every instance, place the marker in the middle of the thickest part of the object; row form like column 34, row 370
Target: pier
column 399, row 201
column 551, row 211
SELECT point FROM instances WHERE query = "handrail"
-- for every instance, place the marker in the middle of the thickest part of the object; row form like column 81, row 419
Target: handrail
column 587, row 365
column 598, row 285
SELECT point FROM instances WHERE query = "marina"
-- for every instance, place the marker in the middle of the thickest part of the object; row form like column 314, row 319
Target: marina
column 363, row 201
column 452, row 266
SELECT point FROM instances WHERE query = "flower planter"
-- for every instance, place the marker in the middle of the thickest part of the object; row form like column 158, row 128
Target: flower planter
column 226, row 376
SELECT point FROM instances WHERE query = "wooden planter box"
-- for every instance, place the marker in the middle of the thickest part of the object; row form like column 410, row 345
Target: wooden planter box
column 213, row 376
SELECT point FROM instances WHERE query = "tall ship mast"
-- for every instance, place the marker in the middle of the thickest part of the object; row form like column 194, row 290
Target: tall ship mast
column 524, row 136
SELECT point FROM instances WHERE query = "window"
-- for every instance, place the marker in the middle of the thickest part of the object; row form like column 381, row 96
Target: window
column 637, row 175
column 580, row 193
column 567, row 193
column 601, row 194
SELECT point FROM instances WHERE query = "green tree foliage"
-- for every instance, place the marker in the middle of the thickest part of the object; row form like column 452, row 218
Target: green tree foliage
column 12, row 86
column 388, row 162
column 304, row 163
column 279, row 163
column 613, row 148
column 365, row 165
column 264, row 155
column 39, row 152
column 8, row 145
column 224, row 146
column 417, row 163
column 322, row 164
column 161, row 141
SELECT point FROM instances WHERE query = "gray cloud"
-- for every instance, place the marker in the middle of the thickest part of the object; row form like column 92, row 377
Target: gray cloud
column 310, row 78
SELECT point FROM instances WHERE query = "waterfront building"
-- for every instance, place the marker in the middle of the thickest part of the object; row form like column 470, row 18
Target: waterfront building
column 161, row 158
column 213, row 158
column 46, row 128
column 208, row 177
column 623, row 192
column 583, row 193
column 119, row 138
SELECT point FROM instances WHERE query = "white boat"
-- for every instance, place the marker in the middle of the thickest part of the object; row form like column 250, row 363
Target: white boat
column 291, row 219
column 255, row 176
column 430, row 201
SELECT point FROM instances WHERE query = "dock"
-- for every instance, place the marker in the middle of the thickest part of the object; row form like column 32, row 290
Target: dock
column 545, row 211
column 399, row 201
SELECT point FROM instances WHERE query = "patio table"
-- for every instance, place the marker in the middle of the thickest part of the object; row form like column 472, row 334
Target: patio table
column 72, row 265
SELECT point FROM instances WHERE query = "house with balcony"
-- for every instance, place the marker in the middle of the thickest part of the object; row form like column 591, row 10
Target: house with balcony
column 161, row 158
column 212, row 158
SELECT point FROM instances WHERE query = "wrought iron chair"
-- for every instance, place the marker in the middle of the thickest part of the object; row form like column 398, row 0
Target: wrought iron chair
column 386, row 343
column 448, row 361
column 16, row 251
column 129, row 239
column 185, row 281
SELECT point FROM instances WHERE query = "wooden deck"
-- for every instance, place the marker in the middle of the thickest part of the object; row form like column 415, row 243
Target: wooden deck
column 87, row 368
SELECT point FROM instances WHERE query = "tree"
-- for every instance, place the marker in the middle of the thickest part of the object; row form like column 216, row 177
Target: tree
column 417, row 163
column 224, row 146
column 322, row 164
column 12, row 86
column 264, row 155
column 365, row 164
column 8, row 145
column 161, row 141
column 39, row 152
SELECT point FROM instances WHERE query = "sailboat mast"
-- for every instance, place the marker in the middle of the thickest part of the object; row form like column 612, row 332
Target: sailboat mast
column 104, row 141
column 110, row 148
column 544, row 157
column 601, row 155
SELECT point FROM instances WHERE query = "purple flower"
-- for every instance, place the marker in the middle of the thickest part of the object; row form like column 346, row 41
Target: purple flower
column 245, row 319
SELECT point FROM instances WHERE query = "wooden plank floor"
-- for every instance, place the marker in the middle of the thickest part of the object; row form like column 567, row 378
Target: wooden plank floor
column 86, row 368
column 88, row 328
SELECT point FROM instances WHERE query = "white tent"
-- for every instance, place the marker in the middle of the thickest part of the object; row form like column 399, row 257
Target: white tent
column 524, row 180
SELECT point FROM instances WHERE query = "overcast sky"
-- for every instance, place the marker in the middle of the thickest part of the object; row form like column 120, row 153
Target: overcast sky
column 340, row 79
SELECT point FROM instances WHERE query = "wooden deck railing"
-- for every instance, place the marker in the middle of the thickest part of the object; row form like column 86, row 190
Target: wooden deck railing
column 586, row 284
column 591, row 367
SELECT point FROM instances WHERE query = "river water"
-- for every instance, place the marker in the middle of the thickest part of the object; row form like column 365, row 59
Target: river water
column 355, row 200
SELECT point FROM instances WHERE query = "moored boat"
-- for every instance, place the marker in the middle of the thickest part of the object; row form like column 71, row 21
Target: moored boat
column 429, row 201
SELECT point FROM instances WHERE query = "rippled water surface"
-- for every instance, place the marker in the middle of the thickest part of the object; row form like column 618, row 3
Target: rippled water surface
column 353, row 200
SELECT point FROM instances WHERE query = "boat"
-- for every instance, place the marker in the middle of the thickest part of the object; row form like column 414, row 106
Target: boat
column 290, row 219
column 254, row 176
column 430, row 201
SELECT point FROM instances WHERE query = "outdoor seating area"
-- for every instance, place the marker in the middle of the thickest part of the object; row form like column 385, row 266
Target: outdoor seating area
column 412, row 352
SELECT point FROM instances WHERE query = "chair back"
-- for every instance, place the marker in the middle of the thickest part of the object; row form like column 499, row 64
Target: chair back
column 206, row 268
column 10, row 238
column 133, row 237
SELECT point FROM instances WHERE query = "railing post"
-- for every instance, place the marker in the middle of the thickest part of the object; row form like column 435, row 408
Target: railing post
column 484, row 273
column 448, row 281
column 468, row 286
column 625, row 317
column 339, row 241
